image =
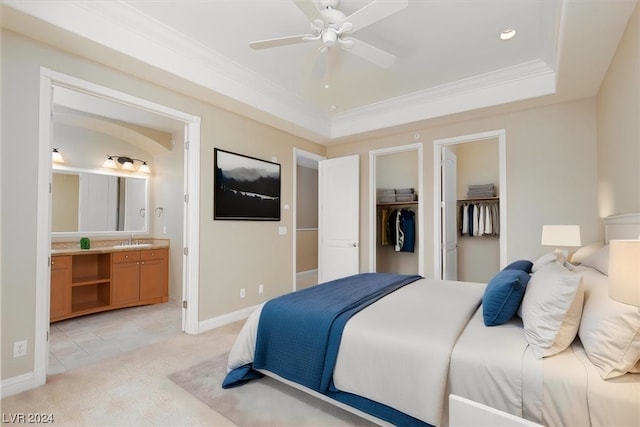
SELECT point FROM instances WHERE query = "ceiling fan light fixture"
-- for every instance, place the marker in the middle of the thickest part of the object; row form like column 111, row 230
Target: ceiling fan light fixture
column 329, row 37
column 507, row 34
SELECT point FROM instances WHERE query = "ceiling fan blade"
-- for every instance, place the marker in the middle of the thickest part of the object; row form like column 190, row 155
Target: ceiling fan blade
column 370, row 53
column 374, row 12
column 309, row 9
column 282, row 41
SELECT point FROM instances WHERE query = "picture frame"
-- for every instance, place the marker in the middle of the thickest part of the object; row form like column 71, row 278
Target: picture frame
column 245, row 188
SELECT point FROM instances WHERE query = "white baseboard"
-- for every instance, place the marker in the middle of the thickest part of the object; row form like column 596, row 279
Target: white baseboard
column 307, row 272
column 225, row 319
column 18, row 384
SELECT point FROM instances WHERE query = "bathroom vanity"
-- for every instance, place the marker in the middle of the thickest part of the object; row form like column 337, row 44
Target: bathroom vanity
column 107, row 277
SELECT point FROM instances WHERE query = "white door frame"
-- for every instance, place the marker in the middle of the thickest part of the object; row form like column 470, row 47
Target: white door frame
column 191, row 232
column 297, row 153
column 500, row 134
column 373, row 155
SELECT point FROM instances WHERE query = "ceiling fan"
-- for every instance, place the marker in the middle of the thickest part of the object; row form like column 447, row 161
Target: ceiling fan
column 330, row 26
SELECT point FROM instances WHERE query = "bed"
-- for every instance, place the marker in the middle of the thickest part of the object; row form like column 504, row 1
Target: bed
column 393, row 348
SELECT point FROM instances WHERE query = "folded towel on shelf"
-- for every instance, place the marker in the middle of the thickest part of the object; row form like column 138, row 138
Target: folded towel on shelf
column 386, row 199
column 405, row 191
column 402, row 195
column 476, row 191
column 406, row 197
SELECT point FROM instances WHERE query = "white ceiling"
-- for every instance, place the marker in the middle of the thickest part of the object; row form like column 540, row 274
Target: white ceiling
column 449, row 55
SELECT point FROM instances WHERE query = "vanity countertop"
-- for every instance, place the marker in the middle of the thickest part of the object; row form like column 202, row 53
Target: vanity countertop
column 105, row 246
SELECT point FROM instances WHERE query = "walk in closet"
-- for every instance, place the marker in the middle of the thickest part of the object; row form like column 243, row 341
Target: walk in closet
column 397, row 224
column 477, row 210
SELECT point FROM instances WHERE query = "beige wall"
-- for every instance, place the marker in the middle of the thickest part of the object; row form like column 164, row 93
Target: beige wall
column 619, row 127
column 234, row 254
column 551, row 173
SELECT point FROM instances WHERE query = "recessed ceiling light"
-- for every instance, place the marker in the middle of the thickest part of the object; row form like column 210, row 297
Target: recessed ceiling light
column 507, row 34
column 333, row 107
column 326, row 85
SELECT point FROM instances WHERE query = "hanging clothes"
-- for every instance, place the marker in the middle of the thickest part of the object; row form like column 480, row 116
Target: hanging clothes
column 401, row 230
column 384, row 227
column 479, row 218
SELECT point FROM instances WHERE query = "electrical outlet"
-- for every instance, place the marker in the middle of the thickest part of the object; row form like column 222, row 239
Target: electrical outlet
column 260, row 288
column 242, row 293
column 19, row 348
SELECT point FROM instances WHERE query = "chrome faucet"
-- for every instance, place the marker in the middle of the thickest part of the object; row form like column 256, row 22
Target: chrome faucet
column 131, row 239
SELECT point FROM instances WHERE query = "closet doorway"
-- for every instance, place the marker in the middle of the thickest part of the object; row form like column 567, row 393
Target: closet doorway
column 460, row 162
column 395, row 168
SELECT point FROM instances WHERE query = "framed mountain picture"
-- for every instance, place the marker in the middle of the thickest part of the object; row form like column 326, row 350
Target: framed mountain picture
column 245, row 188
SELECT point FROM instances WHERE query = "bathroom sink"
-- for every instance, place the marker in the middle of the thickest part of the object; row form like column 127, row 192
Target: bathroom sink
column 132, row 245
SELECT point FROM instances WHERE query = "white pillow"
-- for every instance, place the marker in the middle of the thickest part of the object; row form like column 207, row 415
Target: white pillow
column 545, row 259
column 609, row 330
column 551, row 309
column 598, row 260
column 584, row 252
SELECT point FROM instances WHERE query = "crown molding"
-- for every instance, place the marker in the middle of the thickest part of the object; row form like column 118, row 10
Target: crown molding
column 523, row 81
column 148, row 40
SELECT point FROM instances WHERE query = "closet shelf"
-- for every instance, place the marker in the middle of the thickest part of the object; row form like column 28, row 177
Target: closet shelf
column 415, row 203
column 482, row 199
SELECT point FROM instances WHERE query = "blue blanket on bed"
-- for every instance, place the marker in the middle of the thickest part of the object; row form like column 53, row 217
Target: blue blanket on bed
column 299, row 333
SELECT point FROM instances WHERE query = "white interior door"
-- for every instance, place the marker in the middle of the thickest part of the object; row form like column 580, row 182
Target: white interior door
column 449, row 214
column 338, row 218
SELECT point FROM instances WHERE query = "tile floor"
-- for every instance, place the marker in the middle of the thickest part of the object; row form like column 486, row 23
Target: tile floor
column 84, row 340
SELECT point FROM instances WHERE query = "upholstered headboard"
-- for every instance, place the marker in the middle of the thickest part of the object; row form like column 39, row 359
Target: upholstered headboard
column 625, row 226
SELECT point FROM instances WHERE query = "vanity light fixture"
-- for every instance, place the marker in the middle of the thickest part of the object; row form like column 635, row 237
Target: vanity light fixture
column 56, row 157
column 507, row 34
column 126, row 163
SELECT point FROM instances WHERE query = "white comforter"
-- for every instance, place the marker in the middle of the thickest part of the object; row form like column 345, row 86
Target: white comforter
column 380, row 357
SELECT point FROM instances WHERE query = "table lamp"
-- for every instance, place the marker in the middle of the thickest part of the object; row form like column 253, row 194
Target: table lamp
column 561, row 236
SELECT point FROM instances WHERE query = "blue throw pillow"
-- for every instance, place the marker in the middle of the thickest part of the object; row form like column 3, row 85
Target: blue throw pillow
column 503, row 296
column 522, row 265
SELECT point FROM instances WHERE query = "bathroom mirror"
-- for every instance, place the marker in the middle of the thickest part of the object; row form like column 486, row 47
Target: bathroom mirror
column 86, row 202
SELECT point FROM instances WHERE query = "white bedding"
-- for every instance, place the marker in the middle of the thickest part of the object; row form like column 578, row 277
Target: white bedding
column 494, row 366
column 411, row 349
column 406, row 339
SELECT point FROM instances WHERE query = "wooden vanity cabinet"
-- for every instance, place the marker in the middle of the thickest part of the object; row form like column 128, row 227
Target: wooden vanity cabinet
column 125, row 280
column 60, row 287
column 90, row 282
column 154, row 275
column 140, row 277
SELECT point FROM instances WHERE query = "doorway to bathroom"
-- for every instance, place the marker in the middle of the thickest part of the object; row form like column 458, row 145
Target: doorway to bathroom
column 184, row 237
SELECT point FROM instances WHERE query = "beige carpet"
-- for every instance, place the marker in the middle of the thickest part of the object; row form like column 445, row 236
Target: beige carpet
column 132, row 389
column 135, row 389
column 262, row 402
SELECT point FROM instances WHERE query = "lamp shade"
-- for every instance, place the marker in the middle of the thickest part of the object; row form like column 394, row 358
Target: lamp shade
column 624, row 271
column 560, row 235
column 56, row 157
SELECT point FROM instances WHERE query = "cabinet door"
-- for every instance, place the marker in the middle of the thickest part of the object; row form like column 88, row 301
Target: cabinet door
column 60, row 287
column 153, row 279
column 125, row 283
